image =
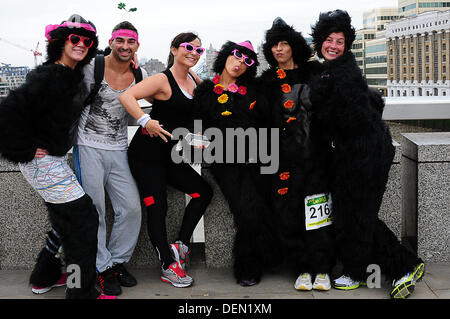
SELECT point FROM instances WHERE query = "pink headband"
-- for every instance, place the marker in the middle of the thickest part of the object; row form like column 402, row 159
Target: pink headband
column 247, row 44
column 52, row 27
column 125, row 33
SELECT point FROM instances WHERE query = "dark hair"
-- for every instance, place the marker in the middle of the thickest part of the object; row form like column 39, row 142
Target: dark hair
column 225, row 52
column 55, row 45
column 181, row 38
column 281, row 31
column 125, row 25
column 331, row 22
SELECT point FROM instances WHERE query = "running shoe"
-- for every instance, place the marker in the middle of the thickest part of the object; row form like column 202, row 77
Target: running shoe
column 346, row 283
column 123, row 276
column 303, row 282
column 404, row 287
column 42, row 290
column 176, row 276
column 181, row 253
column 109, row 283
column 322, row 282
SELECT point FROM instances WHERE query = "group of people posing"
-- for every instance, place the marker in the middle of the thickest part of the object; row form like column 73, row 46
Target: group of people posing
column 320, row 208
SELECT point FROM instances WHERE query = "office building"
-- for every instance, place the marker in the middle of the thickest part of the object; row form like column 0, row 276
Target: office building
column 418, row 50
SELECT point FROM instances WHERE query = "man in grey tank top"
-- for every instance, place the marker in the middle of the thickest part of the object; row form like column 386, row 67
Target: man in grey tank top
column 101, row 160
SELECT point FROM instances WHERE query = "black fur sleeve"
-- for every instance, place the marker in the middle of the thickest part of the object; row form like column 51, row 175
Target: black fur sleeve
column 40, row 113
column 341, row 97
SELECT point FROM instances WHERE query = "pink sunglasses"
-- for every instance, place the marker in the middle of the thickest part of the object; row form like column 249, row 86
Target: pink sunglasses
column 238, row 55
column 75, row 39
column 189, row 48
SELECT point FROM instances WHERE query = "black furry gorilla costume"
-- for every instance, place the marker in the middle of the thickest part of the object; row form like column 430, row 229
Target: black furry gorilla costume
column 43, row 113
column 350, row 117
column 303, row 156
column 255, row 243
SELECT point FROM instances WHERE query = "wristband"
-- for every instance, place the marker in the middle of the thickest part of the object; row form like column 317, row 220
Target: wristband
column 142, row 121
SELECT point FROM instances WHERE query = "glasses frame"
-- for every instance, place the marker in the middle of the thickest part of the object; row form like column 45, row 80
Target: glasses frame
column 81, row 39
column 194, row 48
column 243, row 56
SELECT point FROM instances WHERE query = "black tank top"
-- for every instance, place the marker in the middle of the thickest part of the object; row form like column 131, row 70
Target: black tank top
column 172, row 113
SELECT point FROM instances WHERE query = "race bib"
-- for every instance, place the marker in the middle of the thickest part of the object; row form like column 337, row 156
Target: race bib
column 318, row 211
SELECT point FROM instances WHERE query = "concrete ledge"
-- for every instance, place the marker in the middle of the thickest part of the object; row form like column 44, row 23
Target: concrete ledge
column 24, row 222
column 426, row 199
column 390, row 210
column 415, row 205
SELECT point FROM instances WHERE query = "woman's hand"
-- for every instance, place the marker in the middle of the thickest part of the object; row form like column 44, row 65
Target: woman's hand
column 135, row 61
column 40, row 153
column 154, row 129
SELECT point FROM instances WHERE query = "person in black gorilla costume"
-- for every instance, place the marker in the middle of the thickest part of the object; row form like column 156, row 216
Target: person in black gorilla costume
column 300, row 190
column 350, row 117
column 233, row 100
column 37, row 129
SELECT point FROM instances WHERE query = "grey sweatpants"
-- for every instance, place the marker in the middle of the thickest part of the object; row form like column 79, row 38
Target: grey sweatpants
column 99, row 170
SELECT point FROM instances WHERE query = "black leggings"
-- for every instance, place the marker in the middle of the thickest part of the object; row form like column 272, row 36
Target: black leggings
column 152, row 179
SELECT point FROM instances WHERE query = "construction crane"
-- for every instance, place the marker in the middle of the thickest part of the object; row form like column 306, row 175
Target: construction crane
column 36, row 53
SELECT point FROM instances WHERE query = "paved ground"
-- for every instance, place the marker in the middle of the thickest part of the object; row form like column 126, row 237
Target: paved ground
column 220, row 284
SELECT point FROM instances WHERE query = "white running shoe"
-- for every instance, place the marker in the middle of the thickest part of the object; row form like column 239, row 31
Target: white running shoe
column 322, row 282
column 346, row 283
column 303, row 282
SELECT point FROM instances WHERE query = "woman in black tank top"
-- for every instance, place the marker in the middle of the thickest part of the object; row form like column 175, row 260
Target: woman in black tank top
column 149, row 154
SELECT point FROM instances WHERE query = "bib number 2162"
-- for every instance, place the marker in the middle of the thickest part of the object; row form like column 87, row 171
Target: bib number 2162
column 318, row 211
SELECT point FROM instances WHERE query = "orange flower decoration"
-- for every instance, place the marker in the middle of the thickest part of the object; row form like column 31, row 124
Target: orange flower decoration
column 291, row 119
column 285, row 176
column 283, row 191
column 252, row 105
column 281, row 74
column 222, row 99
column 286, row 88
column 226, row 113
column 288, row 104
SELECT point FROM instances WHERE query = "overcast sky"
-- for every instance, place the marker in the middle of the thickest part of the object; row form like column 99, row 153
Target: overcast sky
column 23, row 21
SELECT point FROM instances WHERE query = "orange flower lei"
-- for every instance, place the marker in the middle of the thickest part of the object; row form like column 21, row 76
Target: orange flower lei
column 283, row 191
column 291, row 119
column 288, row 104
column 286, row 88
column 281, row 73
column 285, row 176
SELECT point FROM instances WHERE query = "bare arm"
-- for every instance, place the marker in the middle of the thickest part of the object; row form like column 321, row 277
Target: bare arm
column 155, row 86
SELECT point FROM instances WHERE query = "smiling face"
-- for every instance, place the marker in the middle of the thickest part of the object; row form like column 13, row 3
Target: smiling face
column 333, row 46
column 282, row 52
column 123, row 48
column 74, row 52
column 184, row 57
